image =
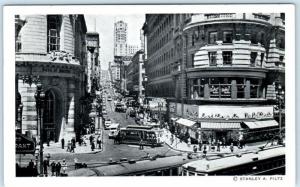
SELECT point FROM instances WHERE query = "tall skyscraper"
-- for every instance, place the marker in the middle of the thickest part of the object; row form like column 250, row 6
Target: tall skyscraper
column 120, row 38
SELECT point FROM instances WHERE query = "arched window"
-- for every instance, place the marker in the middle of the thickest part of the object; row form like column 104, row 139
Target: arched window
column 49, row 111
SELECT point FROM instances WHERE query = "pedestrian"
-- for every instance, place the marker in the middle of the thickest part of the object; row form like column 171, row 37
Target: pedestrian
column 224, row 142
column 218, row 146
column 91, row 139
column 195, row 149
column 141, row 144
column 200, row 144
column 69, row 146
column 58, row 167
column 62, row 143
column 45, row 166
column 189, row 142
column 231, row 147
column 31, row 167
column 204, row 149
column 73, row 142
column 99, row 142
column 64, row 166
column 93, row 145
column 53, row 168
column 72, row 148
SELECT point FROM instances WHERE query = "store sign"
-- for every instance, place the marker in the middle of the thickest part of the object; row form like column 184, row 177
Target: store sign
column 235, row 112
column 172, row 107
column 24, row 145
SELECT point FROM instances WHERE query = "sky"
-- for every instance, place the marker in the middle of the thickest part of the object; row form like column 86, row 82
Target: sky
column 105, row 27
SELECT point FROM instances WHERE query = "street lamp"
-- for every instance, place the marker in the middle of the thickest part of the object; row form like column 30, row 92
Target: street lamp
column 20, row 111
column 40, row 98
column 280, row 100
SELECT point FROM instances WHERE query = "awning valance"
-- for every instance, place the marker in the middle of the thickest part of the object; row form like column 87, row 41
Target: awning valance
column 186, row 122
column 220, row 125
column 261, row 124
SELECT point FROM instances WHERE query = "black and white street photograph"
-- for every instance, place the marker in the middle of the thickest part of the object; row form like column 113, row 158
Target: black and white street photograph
column 188, row 94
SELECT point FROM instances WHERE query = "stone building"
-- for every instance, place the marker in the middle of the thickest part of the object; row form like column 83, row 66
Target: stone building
column 223, row 74
column 51, row 50
column 93, row 64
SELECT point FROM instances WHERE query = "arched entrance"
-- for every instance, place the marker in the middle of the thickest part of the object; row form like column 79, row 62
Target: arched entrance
column 53, row 115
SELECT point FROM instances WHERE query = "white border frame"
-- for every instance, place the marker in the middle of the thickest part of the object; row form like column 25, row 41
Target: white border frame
column 9, row 96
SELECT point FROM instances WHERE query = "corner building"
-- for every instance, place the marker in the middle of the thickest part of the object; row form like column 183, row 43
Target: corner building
column 51, row 48
column 226, row 76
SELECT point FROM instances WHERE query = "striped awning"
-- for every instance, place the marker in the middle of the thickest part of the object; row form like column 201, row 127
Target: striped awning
column 186, row 122
column 261, row 124
column 220, row 125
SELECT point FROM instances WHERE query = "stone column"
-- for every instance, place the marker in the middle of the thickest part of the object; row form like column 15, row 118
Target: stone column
column 247, row 90
column 206, row 91
column 233, row 89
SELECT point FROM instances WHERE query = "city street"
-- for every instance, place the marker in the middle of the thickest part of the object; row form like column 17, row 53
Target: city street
column 110, row 150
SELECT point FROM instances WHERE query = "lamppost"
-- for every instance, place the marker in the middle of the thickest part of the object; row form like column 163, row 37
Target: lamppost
column 280, row 100
column 20, row 111
column 40, row 98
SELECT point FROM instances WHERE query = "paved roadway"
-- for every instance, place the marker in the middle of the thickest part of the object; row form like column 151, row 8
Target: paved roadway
column 111, row 151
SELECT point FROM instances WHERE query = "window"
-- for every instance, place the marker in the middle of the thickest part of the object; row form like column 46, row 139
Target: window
column 53, row 27
column 213, row 37
column 227, row 57
column 227, row 37
column 212, row 58
column 192, row 59
column 253, row 56
column 253, row 38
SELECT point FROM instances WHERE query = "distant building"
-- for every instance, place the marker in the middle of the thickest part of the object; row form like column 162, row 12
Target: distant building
column 120, row 38
column 51, row 49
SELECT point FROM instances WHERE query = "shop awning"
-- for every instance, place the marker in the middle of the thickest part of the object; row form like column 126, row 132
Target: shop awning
column 186, row 122
column 174, row 119
column 261, row 124
column 220, row 125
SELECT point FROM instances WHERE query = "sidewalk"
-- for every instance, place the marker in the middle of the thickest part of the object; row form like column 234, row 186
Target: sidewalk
column 55, row 148
column 184, row 147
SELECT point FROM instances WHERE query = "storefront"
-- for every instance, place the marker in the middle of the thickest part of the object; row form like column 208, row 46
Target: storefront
column 229, row 124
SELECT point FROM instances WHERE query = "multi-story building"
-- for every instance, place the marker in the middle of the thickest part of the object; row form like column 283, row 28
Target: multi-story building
column 225, row 67
column 51, row 52
column 120, row 38
column 135, row 73
column 93, row 63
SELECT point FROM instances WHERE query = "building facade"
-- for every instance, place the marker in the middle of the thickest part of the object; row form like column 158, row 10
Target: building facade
column 93, row 69
column 51, row 50
column 226, row 70
column 135, row 73
column 120, row 38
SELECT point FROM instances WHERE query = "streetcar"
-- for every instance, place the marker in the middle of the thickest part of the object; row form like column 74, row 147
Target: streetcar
column 133, row 134
column 160, row 166
column 264, row 161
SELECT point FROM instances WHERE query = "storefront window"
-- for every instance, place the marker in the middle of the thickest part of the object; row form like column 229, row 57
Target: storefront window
column 197, row 88
column 220, row 88
column 254, row 88
column 240, row 84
